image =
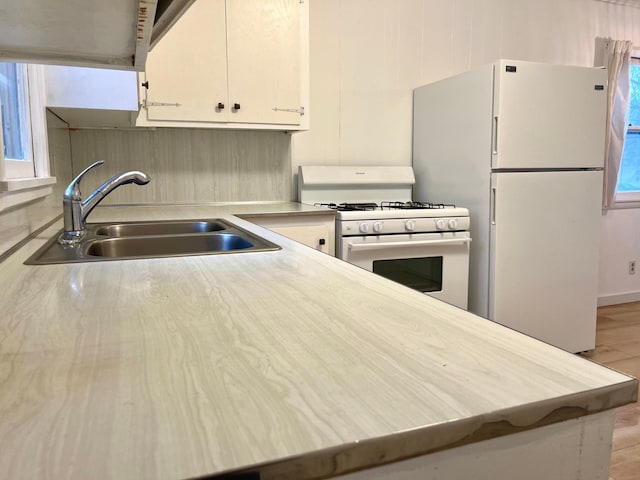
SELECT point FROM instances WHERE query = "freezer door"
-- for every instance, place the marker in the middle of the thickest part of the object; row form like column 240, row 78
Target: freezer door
column 548, row 116
column 544, row 255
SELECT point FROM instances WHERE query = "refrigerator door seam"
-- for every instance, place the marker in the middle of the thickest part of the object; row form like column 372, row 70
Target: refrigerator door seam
column 526, row 170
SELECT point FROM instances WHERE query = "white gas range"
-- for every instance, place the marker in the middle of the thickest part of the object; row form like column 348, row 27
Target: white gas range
column 422, row 245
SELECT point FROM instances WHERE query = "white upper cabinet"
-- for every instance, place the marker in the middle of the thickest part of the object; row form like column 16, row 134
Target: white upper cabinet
column 230, row 63
column 92, row 97
column 186, row 74
column 116, row 34
column 263, row 48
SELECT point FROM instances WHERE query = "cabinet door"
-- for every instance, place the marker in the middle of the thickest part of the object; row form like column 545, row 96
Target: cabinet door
column 187, row 69
column 263, row 44
column 315, row 231
column 314, row 236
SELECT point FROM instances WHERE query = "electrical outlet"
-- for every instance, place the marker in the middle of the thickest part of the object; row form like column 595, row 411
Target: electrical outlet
column 632, row 267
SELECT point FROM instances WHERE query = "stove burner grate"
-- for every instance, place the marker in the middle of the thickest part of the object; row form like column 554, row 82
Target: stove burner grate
column 347, row 207
column 370, row 206
column 412, row 205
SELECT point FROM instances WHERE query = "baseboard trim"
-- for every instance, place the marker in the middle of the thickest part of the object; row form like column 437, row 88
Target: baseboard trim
column 606, row 300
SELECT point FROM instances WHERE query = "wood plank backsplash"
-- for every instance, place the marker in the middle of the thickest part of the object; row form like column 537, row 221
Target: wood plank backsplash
column 188, row 165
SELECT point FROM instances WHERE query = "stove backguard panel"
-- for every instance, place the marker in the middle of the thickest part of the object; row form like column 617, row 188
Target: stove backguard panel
column 357, row 184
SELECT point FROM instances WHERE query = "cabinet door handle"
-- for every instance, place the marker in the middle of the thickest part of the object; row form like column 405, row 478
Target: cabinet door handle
column 236, row 106
column 220, row 106
column 145, row 84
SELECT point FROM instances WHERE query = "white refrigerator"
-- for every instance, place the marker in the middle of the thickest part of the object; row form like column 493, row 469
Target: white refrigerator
column 521, row 145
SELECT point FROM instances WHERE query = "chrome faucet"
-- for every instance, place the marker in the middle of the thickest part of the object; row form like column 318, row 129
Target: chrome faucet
column 75, row 210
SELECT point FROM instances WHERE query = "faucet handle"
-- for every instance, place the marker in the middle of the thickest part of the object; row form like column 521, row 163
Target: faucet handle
column 73, row 190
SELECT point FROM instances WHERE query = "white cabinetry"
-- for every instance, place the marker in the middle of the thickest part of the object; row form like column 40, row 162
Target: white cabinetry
column 92, row 97
column 116, row 34
column 253, row 53
column 234, row 63
column 574, row 449
column 316, row 231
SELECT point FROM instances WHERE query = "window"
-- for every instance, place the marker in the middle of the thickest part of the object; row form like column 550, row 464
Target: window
column 628, row 188
column 16, row 121
column 24, row 156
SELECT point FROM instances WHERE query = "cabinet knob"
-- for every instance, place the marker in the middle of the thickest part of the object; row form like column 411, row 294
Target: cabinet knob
column 220, row 106
column 145, row 84
column 236, row 106
column 322, row 241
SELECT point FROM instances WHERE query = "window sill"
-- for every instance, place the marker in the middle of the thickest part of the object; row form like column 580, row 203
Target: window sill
column 624, row 205
column 17, row 184
column 624, row 200
column 17, row 192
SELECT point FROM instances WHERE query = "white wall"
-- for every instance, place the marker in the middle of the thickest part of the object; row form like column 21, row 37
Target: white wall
column 620, row 243
column 368, row 55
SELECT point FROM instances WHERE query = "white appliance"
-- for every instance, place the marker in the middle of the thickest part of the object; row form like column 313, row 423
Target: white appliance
column 521, row 144
column 423, row 246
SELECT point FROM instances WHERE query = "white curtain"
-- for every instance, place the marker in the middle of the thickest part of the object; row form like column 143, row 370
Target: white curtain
column 615, row 55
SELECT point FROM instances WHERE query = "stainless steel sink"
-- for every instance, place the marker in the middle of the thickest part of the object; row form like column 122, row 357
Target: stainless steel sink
column 167, row 245
column 137, row 240
column 159, row 228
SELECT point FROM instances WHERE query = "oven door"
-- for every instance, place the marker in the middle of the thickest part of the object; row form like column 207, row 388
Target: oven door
column 433, row 263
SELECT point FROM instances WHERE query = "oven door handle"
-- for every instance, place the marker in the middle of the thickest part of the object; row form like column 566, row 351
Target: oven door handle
column 415, row 243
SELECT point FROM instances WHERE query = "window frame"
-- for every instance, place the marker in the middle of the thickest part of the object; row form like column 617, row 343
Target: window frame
column 22, row 181
column 628, row 199
column 23, row 168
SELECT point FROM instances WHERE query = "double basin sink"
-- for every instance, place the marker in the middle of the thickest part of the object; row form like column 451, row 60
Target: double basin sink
column 134, row 240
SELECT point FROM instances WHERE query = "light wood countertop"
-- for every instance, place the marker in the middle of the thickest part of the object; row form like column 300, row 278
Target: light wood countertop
column 290, row 359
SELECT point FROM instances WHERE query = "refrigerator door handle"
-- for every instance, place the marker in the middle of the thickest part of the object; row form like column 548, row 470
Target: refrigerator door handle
column 494, row 136
column 493, row 206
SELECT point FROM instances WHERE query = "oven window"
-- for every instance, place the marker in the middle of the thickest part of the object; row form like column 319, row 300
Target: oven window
column 422, row 274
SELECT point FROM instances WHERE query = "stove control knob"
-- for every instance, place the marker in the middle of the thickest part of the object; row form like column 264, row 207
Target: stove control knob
column 440, row 225
column 364, row 227
column 453, row 224
column 377, row 227
column 410, row 225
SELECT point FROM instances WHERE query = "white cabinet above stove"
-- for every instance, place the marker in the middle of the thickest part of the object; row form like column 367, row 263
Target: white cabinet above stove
column 116, row 34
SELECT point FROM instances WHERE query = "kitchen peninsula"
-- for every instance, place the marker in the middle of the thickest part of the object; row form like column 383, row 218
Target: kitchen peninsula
column 285, row 364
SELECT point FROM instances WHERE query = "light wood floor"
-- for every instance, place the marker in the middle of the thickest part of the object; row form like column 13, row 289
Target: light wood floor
column 618, row 347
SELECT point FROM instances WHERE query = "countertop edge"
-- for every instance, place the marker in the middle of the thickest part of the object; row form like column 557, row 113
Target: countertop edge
column 376, row 452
